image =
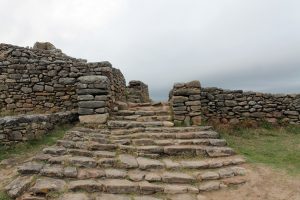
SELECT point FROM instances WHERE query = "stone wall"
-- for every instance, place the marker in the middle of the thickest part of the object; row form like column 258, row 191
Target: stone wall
column 137, row 92
column 94, row 98
column 15, row 129
column 43, row 79
column 235, row 105
column 185, row 103
column 118, row 85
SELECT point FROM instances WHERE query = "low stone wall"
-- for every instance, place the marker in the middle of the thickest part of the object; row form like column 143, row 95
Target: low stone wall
column 15, row 129
column 137, row 92
column 185, row 103
column 235, row 105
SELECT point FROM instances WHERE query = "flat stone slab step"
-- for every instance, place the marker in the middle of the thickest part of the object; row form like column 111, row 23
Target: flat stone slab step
column 148, row 170
column 134, row 124
column 106, row 196
column 159, row 130
column 164, row 135
column 140, row 118
column 176, row 150
column 142, row 112
column 127, row 161
column 166, row 142
column 43, row 186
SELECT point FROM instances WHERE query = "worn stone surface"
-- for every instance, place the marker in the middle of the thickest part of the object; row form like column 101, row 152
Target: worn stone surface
column 46, row 185
column 75, row 196
column 112, row 197
column 52, row 170
column 87, row 185
column 70, row 172
column 149, row 188
column 209, row 186
column 136, row 175
column 128, row 161
column 209, row 176
column 152, row 177
column 115, row 173
column 146, row 163
column 90, row 173
column 30, row 168
column 18, row 186
column 81, row 161
column 175, row 189
column 120, row 186
column 94, row 119
column 176, row 177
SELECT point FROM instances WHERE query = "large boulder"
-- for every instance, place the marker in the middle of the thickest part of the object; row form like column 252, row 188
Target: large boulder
column 43, row 46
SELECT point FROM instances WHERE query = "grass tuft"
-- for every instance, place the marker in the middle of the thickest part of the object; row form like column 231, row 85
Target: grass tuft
column 4, row 196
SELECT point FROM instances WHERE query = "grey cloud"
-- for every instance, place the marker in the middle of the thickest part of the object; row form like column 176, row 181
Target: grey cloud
column 251, row 45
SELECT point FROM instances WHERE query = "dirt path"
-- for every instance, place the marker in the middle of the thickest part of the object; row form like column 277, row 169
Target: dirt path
column 264, row 183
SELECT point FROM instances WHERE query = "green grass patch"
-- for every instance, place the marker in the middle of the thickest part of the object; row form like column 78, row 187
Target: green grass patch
column 4, row 196
column 276, row 146
column 33, row 146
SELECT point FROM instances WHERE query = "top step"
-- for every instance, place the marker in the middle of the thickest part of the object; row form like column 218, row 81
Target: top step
column 114, row 124
column 132, row 105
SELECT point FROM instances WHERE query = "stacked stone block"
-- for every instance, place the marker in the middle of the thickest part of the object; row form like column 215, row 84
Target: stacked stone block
column 93, row 98
column 137, row 92
column 232, row 106
column 186, row 105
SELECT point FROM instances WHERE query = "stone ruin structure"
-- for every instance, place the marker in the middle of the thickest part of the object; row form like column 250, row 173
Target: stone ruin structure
column 186, row 104
column 126, row 146
column 137, row 92
column 43, row 79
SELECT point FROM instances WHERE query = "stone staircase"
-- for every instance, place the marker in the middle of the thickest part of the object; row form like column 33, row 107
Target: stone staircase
column 138, row 156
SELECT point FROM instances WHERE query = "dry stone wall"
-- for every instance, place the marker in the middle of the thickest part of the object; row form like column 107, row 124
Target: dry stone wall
column 235, row 105
column 137, row 92
column 93, row 98
column 15, row 129
column 185, row 102
column 43, row 79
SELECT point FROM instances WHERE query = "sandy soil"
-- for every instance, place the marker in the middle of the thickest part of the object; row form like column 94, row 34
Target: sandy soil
column 264, row 183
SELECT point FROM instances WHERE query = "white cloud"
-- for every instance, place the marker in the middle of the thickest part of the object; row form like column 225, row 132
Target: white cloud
column 229, row 43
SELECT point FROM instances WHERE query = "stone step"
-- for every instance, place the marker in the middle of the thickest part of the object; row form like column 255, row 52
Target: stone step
column 44, row 185
column 133, row 124
column 169, row 135
column 160, row 112
column 176, row 150
column 153, row 176
column 166, row 142
column 140, row 118
column 159, row 130
column 196, row 147
column 127, row 161
column 105, row 196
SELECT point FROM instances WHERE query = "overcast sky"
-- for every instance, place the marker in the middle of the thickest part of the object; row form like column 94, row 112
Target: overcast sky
column 233, row 44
